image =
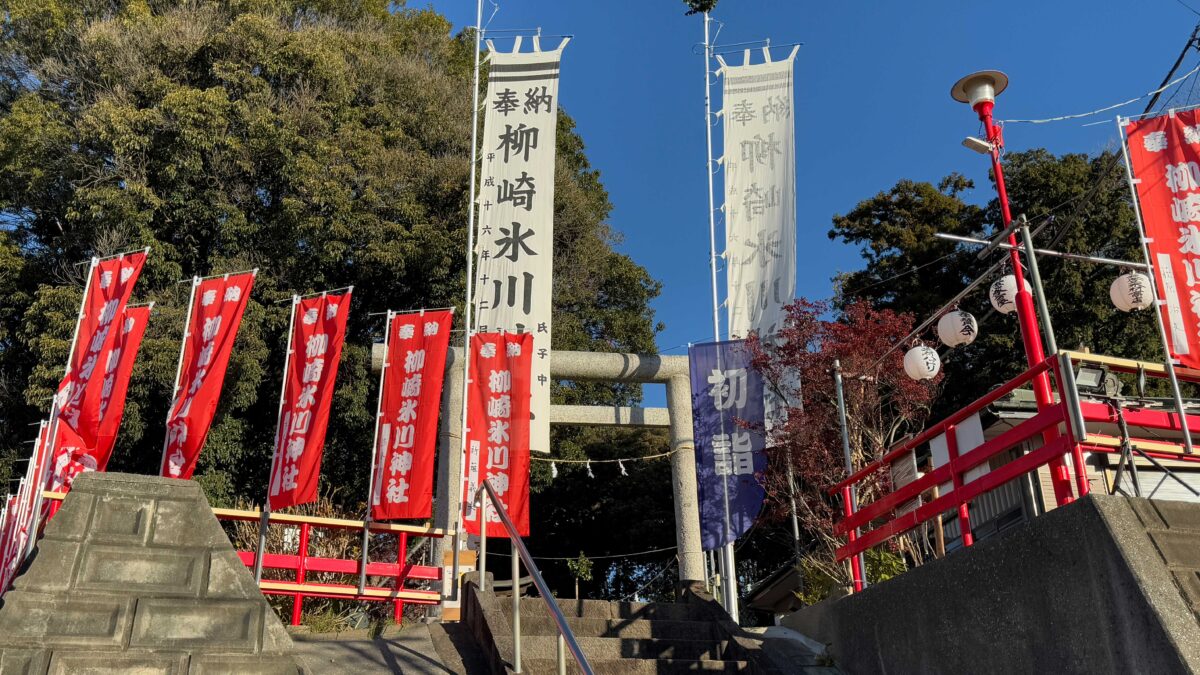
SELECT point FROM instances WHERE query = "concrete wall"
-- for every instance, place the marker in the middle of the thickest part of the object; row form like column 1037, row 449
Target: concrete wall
column 135, row 574
column 1104, row 585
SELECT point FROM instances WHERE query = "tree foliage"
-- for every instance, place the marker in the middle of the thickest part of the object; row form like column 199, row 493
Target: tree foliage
column 882, row 404
column 699, row 6
column 1082, row 202
column 324, row 142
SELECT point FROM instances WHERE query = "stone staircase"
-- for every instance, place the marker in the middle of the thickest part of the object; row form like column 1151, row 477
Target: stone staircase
column 627, row 638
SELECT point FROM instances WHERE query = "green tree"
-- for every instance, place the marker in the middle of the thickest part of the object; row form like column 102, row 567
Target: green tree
column 324, row 142
column 1083, row 202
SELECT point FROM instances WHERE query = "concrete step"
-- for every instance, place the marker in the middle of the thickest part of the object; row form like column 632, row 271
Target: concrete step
column 540, row 623
column 603, row 609
column 602, row 649
column 638, row 666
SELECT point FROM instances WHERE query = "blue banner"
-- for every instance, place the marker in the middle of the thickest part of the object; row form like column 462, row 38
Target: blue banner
column 727, row 421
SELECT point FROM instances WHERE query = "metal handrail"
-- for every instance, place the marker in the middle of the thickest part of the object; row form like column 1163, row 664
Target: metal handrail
column 565, row 635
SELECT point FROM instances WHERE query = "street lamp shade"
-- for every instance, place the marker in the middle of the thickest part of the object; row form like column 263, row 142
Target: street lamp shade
column 976, row 88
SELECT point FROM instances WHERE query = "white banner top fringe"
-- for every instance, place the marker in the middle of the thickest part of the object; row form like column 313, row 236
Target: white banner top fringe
column 760, row 194
column 514, row 277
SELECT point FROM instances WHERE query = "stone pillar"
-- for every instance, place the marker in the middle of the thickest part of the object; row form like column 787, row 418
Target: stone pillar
column 683, row 480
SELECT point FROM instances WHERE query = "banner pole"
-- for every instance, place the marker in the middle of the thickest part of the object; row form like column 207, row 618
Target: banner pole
column 858, row 566
column 366, row 533
column 1168, row 362
column 469, row 299
column 266, row 510
column 35, row 519
column 728, row 563
column 187, row 326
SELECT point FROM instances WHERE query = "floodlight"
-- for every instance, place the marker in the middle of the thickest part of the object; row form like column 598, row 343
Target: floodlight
column 978, row 145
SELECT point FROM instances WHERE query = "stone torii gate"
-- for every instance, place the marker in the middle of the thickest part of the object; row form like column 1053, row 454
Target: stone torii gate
column 597, row 367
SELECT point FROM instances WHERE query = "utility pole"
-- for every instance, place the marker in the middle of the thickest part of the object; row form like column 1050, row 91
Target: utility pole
column 1193, row 41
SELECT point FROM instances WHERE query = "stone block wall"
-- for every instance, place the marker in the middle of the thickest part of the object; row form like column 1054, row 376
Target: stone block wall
column 1103, row 585
column 135, row 575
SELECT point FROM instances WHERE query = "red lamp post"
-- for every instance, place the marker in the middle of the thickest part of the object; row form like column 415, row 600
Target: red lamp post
column 979, row 90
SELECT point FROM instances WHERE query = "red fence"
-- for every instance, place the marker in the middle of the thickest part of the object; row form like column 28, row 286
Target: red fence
column 300, row 564
column 397, row 573
column 1062, row 428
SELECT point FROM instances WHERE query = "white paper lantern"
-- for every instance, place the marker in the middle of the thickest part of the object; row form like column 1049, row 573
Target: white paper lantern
column 1131, row 292
column 1003, row 293
column 957, row 328
column 922, row 363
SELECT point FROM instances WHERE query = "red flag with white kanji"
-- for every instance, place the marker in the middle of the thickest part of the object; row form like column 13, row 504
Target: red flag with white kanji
column 409, row 401
column 216, row 310
column 117, row 370
column 1164, row 153
column 72, row 453
column 497, row 439
column 79, row 394
column 317, row 332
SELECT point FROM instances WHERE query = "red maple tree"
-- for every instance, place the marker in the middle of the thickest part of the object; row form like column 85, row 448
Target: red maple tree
column 882, row 405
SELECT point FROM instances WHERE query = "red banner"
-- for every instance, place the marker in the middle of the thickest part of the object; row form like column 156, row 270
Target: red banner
column 1165, row 155
column 406, row 426
column 9, row 527
column 20, row 511
column 217, row 305
column 118, row 368
column 318, row 329
column 497, row 447
column 109, row 287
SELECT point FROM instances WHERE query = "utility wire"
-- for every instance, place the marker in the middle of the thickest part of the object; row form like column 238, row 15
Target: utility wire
column 1188, row 45
column 1114, row 106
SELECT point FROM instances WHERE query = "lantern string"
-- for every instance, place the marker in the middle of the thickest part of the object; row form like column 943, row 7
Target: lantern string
column 1111, row 107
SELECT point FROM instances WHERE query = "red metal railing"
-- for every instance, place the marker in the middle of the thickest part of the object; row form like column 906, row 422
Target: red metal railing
column 397, row 574
column 875, row 522
column 301, row 564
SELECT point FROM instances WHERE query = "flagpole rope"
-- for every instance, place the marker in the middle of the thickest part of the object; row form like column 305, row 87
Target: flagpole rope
column 1111, row 107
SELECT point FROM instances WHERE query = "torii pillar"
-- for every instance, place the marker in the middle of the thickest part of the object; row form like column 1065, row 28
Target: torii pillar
column 598, row 367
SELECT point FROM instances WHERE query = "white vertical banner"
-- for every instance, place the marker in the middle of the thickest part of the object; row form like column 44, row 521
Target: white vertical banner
column 514, row 246
column 760, row 194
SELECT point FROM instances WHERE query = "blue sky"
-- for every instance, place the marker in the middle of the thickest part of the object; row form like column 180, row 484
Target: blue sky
column 872, row 106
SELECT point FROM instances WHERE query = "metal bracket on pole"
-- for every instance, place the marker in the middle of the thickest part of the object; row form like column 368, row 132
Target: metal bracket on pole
column 1000, row 238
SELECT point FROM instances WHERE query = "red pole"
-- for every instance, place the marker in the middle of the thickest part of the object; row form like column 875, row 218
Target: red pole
column 964, row 510
column 401, row 573
column 1081, row 480
column 302, row 552
column 856, row 572
column 1031, row 335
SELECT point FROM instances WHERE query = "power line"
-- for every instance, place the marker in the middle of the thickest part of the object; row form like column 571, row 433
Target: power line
column 1188, row 45
column 1114, row 106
